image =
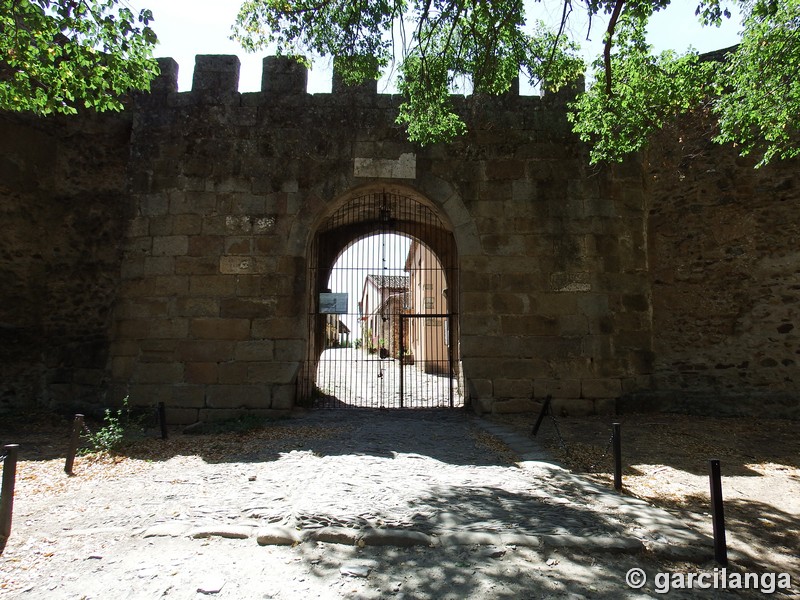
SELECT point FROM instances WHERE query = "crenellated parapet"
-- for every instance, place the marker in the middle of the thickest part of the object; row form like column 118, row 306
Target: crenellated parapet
column 215, row 80
column 282, row 75
column 283, row 117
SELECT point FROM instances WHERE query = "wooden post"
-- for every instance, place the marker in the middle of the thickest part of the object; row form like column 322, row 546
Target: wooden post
column 7, row 492
column 718, row 513
column 77, row 428
column 542, row 415
column 617, row 443
column 162, row 420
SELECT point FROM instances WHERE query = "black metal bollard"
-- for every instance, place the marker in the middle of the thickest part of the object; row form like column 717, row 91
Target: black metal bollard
column 617, row 444
column 542, row 415
column 718, row 513
column 77, row 428
column 7, row 492
column 162, row 420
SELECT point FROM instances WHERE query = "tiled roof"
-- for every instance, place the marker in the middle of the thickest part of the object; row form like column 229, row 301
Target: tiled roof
column 391, row 282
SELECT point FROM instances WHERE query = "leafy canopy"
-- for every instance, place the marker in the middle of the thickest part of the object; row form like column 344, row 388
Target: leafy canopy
column 758, row 99
column 440, row 43
column 434, row 44
column 636, row 93
column 59, row 55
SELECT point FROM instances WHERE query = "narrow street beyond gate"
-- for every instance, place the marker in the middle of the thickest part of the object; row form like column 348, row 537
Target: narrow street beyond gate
column 349, row 378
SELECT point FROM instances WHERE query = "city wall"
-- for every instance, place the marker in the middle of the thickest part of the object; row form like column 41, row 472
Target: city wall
column 162, row 253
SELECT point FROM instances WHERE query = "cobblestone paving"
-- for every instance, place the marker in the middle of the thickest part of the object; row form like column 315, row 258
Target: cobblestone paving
column 354, row 377
column 414, row 470
column 419, row 471
column 410, row 501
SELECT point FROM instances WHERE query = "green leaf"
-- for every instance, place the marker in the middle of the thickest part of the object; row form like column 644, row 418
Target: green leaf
column 759, row 92
column 58, row 55
column 646, row 92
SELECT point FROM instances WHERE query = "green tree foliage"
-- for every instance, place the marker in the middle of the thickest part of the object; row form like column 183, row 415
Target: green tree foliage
column 479, row 39
column 435, row 43
column 637, row 93
column 60, row 55
column 758, row 100
column 753, row 91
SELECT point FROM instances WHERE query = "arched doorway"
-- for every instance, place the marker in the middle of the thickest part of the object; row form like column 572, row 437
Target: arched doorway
column 383, row 308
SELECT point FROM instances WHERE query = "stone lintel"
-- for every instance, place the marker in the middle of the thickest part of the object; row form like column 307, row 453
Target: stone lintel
column 404, row 167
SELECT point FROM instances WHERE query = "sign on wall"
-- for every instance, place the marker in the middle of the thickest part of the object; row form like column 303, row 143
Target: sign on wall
column 333, row 304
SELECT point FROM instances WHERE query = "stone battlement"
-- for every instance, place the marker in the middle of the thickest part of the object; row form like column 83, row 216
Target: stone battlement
column 216, row 81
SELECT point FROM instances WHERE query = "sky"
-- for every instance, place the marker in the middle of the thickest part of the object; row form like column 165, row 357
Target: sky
column 189, row 27
column 367, row 257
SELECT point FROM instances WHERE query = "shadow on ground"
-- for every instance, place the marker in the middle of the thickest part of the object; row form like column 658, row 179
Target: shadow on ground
column 681, row 441
column 382, row 433
column 751, row 527
column 666, row 462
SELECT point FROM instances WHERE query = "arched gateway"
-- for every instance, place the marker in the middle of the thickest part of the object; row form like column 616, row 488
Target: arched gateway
column 383, row 312
column 244, row 203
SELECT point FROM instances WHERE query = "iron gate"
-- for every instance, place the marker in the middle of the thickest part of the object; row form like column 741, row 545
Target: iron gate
column 383, row 325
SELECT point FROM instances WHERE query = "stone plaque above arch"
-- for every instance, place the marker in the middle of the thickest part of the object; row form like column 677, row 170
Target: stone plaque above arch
column 404, row 167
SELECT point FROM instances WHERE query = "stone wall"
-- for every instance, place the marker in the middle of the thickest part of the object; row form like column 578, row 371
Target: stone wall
column 64, row 201
column 194, row 214
column 229, row 187
column 724, row 246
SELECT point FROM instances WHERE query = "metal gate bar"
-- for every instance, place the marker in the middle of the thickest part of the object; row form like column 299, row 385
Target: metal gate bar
column 442, row 362
column 395, row 262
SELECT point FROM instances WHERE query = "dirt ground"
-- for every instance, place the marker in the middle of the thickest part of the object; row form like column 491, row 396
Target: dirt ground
column 665, row 461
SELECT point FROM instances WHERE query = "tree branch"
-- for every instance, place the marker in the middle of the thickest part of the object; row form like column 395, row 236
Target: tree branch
column 567, row 10
column 612, row 24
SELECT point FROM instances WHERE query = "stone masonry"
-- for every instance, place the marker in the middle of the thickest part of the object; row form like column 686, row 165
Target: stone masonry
column 724, row 271
column 163, row 253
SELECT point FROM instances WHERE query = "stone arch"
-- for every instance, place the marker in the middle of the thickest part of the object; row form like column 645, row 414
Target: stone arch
column 428, row 189
column 352, row 216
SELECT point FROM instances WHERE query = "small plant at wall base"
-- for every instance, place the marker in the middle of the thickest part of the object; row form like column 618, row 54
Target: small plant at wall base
column 110, row 436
